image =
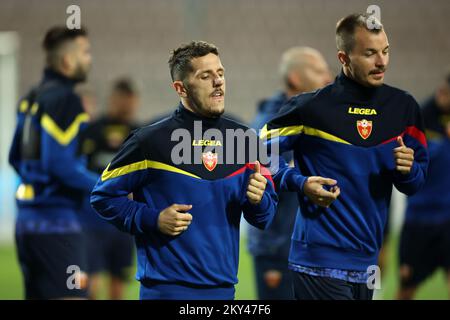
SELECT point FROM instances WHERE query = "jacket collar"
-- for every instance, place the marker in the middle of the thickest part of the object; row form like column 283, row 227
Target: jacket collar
column 51, row 75
column 188, row 116
column 356, row 89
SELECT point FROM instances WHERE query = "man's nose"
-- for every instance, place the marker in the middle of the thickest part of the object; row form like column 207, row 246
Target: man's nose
column 218, row 81
column 381, row 60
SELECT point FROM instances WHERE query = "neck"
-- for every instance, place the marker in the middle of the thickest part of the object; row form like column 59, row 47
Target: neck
column 187, row 105
column 191, row 116
column 347, row 72
column 290, row 92
column 441, row 106
column 440, row 102
column 52, row 73
column 112, row 115
column 62, row 71
column 190, row 106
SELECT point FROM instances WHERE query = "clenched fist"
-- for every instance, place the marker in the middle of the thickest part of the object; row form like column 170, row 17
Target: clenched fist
column 174, row 219
column 256, row 185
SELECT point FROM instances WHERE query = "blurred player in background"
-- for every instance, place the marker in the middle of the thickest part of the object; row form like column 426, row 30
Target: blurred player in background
column 186, row 215
column 302, row 69
column 53, row 176
column 88, row 100
column 425, row 237
column 108, row 249
column 365, row 135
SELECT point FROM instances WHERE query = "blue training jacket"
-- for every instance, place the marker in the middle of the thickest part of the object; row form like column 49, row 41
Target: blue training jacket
column 347, row 132
column 206, row 254
column 44, row 150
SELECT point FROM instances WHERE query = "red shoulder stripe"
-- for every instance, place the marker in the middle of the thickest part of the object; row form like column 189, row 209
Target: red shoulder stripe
column 264, row 171
column 413, row 132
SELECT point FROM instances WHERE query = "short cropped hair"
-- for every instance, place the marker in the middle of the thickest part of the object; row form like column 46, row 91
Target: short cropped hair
column 345, row 29
column 295, row 57
column 180, row 58
column 55, row 38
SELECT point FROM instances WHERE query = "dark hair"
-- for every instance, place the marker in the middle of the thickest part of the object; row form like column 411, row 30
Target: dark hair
column 180, row 59
column 126, row 86
column 56, row 37
column 345, row 29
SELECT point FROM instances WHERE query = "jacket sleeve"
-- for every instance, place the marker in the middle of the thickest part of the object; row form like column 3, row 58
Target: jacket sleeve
column 124, row 175
column 61, row 123
column 260, row 215
column 280, row 135
column 414, row 138
column 261, row 117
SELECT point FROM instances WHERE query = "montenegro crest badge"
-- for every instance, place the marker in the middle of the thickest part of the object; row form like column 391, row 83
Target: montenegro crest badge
column 364, row 128
column 209, row 160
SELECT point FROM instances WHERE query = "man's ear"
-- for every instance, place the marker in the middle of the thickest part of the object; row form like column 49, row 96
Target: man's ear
column 179, row 87
column 344, row 59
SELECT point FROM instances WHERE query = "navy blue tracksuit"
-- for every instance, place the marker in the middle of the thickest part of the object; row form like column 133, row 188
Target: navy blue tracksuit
column 54, row 178
column 346, row 132
column 201, row 262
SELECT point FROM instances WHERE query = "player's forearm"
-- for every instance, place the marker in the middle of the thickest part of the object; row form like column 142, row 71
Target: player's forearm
column 261, row 215
column 289, row 179
column 410, row 183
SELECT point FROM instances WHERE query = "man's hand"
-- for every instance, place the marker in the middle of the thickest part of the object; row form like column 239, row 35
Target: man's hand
column 174, row 219
column 256, row 185
column 404, row 157
column 313, row 189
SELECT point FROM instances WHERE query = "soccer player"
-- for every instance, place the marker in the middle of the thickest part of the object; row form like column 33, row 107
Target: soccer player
column 302, row 69
column 185, row 215
column 108, row 249
column 425, row 236
column 53, row 176
column 365, row 135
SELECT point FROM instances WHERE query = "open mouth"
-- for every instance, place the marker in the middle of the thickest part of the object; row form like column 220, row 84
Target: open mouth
column 217, row 94
column 377, row 73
